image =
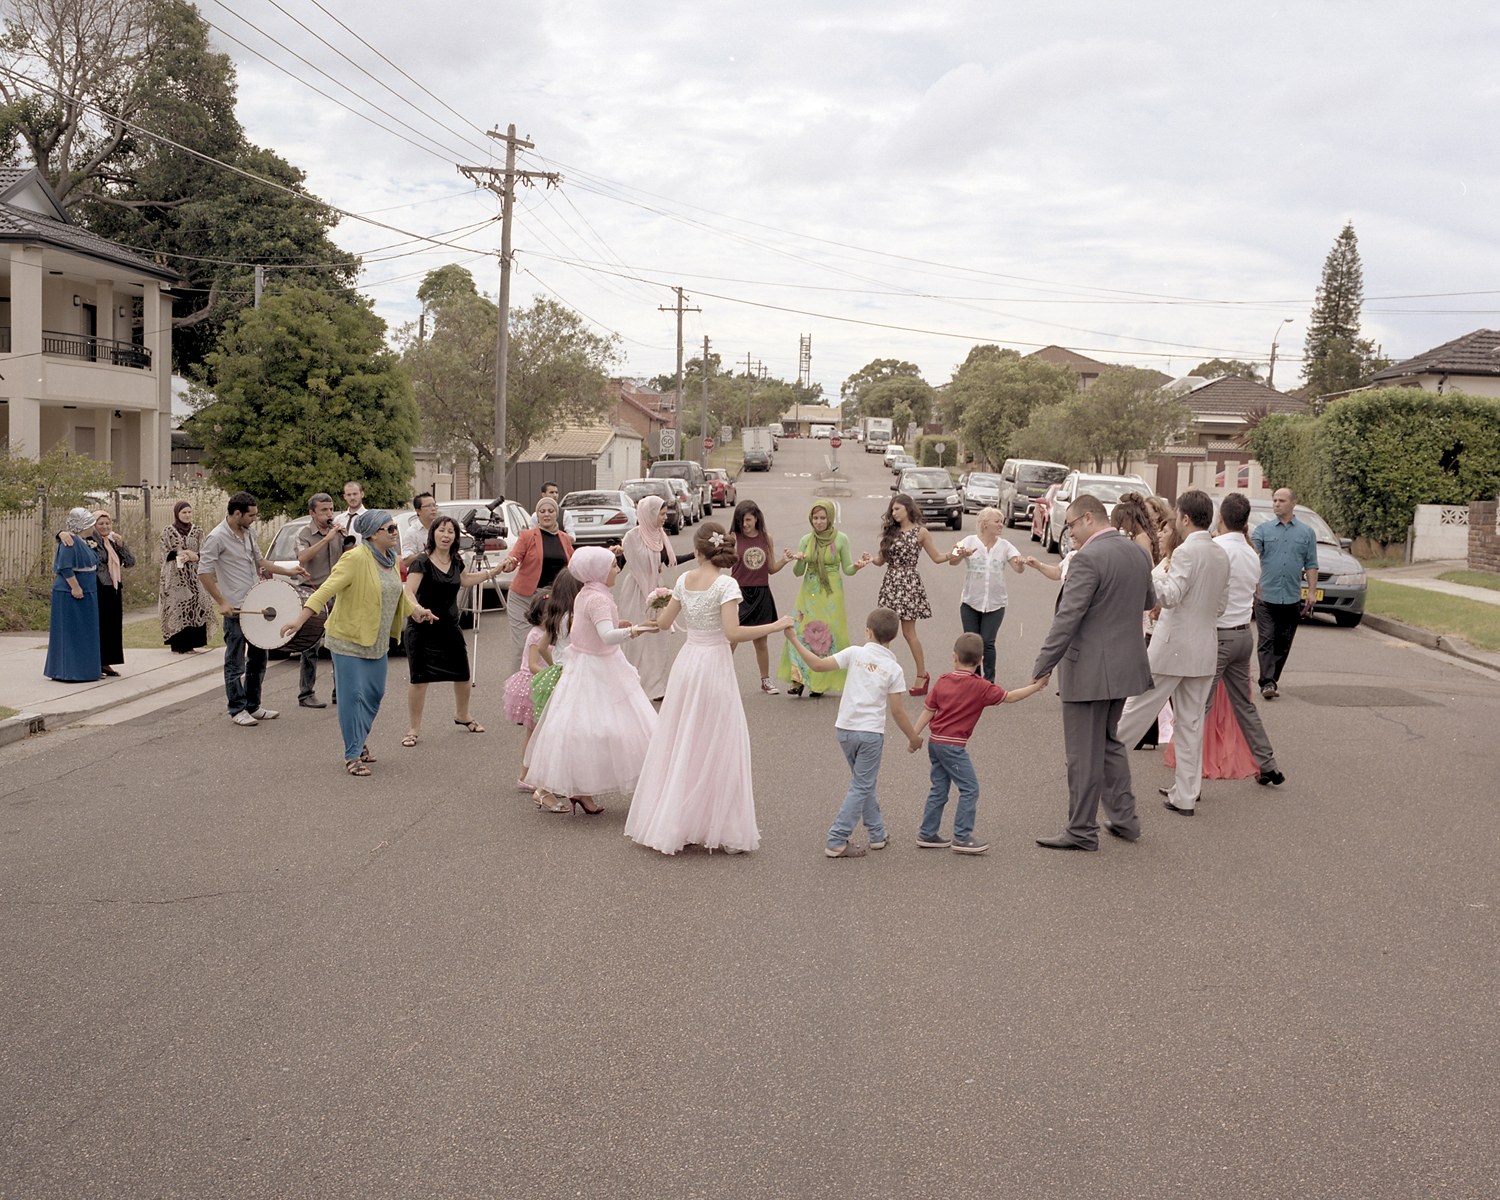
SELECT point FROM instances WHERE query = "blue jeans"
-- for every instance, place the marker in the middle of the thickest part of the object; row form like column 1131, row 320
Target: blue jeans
column 244, row 669
column 862, row 751
column 987, row 626
column 950, row 765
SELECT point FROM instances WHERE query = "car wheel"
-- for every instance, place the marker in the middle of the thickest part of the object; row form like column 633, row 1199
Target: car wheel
column 1065, row 544
column 1348, row 620
column 1048, row 541
column 1035, row 536
column 957, row 522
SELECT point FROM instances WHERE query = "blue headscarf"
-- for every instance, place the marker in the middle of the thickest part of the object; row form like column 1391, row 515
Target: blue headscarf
column 370, row 521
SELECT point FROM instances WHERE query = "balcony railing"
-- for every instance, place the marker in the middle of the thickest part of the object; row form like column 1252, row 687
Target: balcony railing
column 90, row 349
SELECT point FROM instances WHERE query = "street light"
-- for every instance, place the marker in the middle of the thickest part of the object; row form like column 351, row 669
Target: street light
column 1271, row 374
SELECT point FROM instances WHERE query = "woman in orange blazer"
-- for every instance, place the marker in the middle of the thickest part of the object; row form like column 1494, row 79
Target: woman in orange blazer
column 536, row 557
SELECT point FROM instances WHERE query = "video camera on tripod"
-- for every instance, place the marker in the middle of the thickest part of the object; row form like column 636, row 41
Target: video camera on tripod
column 483, row 531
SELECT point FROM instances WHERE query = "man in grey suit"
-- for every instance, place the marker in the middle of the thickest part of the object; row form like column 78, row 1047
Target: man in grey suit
column 1098, row 649
column 1193, row 587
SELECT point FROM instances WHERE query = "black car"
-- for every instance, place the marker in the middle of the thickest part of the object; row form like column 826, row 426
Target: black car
column 935, row 493
column 757, row 460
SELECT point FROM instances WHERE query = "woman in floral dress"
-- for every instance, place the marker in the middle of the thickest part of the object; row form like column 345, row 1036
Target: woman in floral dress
column 822, row 559
column 903, row 537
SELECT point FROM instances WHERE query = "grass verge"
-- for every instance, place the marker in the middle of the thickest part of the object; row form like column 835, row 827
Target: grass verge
column 1473, row 578
column 1476, row 622
column 146, row 635
column 1381, row 564
column 7, row 713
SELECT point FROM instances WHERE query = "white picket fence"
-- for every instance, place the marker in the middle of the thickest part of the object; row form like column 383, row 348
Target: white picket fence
column 25, row 541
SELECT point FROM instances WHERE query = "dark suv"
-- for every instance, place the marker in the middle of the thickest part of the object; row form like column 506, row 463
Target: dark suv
column 685, row 469
column 1022, row 482
column 935, row 493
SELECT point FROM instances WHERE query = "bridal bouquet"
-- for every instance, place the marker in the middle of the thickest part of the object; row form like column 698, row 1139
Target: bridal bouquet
column 660, row 598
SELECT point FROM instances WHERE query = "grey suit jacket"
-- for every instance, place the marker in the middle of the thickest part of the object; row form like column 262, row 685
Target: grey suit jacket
column 1095, row 641
column 1193, row 591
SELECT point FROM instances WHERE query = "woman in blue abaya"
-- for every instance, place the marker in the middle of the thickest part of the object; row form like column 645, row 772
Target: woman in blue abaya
column 73, row 635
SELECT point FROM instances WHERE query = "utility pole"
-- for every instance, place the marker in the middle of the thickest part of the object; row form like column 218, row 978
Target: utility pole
column 1271, row 374
column 260, row 284
column 503, row 184
column 677, row 407
column 702, row 452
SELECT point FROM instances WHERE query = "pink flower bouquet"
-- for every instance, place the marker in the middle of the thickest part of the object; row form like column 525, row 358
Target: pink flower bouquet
column 660, row 598
column 818, row 637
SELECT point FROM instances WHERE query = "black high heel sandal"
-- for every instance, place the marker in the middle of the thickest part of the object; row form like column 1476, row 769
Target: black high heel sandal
column 580, row 802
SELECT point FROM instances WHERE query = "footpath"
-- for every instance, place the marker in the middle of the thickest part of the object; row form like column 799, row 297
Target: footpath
column 154, row 679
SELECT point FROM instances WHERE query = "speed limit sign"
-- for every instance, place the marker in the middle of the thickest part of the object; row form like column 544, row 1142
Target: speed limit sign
column 668, row 442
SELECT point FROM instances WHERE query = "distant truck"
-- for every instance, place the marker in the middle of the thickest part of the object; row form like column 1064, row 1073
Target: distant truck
column 877, row 433
column 758, row 438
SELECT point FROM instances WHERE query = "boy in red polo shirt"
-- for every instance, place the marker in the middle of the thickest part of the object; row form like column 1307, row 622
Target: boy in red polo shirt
column 952, row 710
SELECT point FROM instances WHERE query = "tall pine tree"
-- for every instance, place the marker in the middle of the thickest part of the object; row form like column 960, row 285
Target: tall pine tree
column 1335, row 357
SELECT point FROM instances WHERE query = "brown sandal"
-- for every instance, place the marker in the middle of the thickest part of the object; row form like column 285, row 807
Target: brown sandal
column 355, row 767
column 409, row 740
column 365, row 756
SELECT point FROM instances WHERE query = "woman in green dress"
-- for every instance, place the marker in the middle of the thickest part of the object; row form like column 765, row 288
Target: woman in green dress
column 822, row 559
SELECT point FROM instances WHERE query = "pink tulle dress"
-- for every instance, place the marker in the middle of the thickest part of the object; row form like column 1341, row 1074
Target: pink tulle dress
column 695, row 786
column 1226, row 754
column 595, row 729
column 519, row 709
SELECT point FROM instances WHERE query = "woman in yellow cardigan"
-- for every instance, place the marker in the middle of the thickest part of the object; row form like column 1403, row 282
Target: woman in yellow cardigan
column 367, row 618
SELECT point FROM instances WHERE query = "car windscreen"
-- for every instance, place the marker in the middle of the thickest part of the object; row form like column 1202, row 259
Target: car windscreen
column 977, row 480
column 591, row 500
column 641, row 488
column 1320, row 527
column 1036, row 473
column 926, row 479
column 283, row 546
column 1107, row 491
column 677, row 470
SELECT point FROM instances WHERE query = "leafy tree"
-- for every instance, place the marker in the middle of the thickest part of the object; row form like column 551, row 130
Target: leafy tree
column 877, row 371
column 1057, row 432
column 1129, row 411
column 151, row 62
column 1218, row 368
column 1335, row 357
column 444, row 284
column 64, row 476
column 558, row 372
column 301, row 395
column 904, row 399
column 992, row 397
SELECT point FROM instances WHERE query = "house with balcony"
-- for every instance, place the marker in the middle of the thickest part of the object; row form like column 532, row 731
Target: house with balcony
column 85, row 338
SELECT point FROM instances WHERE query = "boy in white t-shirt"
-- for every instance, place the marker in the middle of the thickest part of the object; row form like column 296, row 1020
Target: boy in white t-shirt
column 873, row 687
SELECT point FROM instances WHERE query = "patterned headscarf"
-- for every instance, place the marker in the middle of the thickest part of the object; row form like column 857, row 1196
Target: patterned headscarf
column 372, row 520
column 112, row 559
column 80, row 520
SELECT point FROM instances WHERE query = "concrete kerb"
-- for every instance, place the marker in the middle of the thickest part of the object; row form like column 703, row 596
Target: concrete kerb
column 1456, row 647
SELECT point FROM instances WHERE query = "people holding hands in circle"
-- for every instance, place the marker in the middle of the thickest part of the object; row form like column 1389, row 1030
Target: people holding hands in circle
column 822, row 559
column 903, row 537
column 984, row 557
column 753, row 569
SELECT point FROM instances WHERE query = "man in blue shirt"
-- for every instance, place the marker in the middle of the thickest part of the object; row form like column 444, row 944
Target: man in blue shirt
column 1288, row 551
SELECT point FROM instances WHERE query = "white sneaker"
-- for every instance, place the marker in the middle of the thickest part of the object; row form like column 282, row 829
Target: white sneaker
column 244, row 718
column 266, row 714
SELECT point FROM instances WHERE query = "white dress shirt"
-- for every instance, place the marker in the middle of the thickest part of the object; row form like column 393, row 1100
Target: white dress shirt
column 984, row 573
column 1244, row 578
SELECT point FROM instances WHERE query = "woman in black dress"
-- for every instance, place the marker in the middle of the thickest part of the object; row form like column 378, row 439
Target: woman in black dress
column 114, row 556
column 436, row 651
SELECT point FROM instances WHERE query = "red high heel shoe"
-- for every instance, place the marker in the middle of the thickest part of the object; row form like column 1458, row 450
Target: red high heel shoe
column 583, row 803
column 921, row 691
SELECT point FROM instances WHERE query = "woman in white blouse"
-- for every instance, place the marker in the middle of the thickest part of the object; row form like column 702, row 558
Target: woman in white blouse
column 984, row 556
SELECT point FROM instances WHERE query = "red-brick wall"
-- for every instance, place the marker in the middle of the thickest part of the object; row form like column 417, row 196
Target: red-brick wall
column 1484, row 542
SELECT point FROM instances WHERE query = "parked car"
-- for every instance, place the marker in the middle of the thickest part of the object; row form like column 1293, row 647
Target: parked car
column 674, row 504
column 1342, row 582
column 756, row 460
column 902, row 462
column 1040, row 511
column 692, row 505
column 725, row 495
column 598, row 518
column 890, row 452
column 1105, row 488
column 935, row 494
column 1022, row 480
column 980, row 490
column 692, row 472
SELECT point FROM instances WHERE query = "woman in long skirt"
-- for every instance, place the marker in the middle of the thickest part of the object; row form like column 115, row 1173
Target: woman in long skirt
column 592, row 736
column 114, row 555
column 73, row 633
column 187, row 613
column 823, row 558
column 647, row 554
column 436, row 651
column 695, row 786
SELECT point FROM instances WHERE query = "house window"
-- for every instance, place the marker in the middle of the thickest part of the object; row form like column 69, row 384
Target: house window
column 609, row 460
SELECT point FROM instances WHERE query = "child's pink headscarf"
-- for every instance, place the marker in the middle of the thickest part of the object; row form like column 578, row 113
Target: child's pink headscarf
column 590, row 566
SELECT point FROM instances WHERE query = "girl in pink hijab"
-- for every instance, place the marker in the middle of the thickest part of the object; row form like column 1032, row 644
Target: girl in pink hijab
column 648, row 554
column 594, row 733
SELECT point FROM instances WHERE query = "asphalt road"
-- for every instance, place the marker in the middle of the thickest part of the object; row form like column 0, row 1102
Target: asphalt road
column 230, row 970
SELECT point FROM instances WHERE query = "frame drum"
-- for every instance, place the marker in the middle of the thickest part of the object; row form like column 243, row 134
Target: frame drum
column 277, row 603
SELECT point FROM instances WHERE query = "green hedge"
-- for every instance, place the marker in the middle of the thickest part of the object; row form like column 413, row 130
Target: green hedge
column 926, row 452
column 1368, row 461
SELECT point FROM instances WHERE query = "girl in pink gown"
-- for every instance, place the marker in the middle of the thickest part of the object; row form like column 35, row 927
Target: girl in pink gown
column 695, row 785
column 594, row 731
column 1226, row 754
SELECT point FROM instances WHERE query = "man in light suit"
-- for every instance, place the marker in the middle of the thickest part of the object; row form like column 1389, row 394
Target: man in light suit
column 1096, row 645
column 1193, row 587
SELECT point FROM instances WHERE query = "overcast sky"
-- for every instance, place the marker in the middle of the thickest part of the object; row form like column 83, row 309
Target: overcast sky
column 1148, row 183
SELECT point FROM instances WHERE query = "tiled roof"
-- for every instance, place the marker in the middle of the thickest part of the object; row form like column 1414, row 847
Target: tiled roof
column 1231, row 396
column 22, row 225
column 577, row 441
column 1064, row 357
column 1476, row 353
